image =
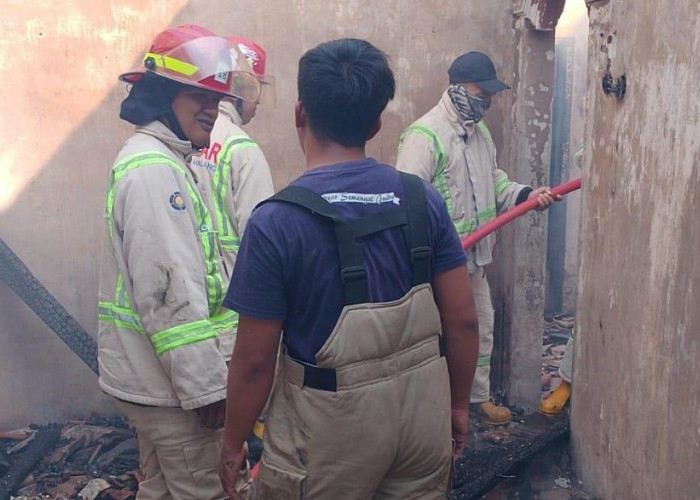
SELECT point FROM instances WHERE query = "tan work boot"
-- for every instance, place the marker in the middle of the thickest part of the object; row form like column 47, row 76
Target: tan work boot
column 490, row 413
column 554, row 403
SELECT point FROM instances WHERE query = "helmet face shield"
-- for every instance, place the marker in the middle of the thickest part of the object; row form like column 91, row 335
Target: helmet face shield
column 244, row 85
column 206, row 63
column 255, row 58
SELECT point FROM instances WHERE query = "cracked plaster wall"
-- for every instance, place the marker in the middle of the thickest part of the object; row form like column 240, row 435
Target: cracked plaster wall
column 636, row 401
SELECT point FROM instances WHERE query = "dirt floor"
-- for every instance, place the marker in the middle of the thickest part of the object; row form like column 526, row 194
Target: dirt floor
column 530, row 457
column 98, row 458
column 546, row 476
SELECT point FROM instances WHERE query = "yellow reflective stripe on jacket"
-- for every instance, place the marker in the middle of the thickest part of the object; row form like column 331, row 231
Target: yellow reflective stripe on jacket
column 440, row 160
column 485, row 130
column 173, row 337
column 119, row 316
column 230, row 240
column 180, row 335
column 471, row 224
column 483, row 360
column 501, row 185
column 227, row 319
column 120, row 296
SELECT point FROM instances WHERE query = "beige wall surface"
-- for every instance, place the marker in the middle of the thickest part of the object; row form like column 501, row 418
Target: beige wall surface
column 577, row 29
column 59, row 62
column 636, row 400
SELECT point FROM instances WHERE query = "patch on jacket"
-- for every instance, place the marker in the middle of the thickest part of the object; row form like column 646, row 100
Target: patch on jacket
column 177, row 202
column 202, row 162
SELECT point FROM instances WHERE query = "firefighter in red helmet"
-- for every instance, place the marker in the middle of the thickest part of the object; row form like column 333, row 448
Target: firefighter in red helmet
column 164, row 339
column 233, row 165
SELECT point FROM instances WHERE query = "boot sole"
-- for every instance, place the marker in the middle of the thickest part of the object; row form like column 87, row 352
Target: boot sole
column 554, row 413
column 491, row 422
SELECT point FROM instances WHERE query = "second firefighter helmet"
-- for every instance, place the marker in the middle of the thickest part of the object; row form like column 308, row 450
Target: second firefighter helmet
column 257, row 58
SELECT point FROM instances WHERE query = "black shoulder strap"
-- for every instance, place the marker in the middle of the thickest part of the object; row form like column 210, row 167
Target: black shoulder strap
column 308, row 199
column 412, row 217
column 416, row 232
column 354, row 273
column 352, row 270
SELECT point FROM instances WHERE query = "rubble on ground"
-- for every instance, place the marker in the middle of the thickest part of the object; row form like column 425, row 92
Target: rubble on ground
column 93, row 459
column 494, row 453
column 97, row 459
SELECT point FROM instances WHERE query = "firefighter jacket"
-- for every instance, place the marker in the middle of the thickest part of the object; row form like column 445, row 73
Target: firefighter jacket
column 460, row 161
column 238, row 177
column 163, row 336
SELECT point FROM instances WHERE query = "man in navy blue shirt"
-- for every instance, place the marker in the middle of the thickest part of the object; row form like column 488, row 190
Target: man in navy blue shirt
column 361, row 268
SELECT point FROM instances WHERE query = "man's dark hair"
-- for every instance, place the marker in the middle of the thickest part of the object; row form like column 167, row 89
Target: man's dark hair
column 344, row 86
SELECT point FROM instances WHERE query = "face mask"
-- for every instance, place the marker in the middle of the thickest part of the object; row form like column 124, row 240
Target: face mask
column 469, row 107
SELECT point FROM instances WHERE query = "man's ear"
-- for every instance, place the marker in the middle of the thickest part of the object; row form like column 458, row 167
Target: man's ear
column 300, row 116
column 375, row 128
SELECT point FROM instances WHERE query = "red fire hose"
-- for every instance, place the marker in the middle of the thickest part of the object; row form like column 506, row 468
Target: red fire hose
column 515, row 212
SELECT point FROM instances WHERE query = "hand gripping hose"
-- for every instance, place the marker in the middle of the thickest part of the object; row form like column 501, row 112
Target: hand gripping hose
column 515, row 212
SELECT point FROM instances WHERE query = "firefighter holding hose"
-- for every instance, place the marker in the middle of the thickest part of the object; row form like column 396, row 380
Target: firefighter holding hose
column 451, row 147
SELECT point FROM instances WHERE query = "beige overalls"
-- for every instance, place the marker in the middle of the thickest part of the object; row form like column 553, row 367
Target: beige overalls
column 372, row 418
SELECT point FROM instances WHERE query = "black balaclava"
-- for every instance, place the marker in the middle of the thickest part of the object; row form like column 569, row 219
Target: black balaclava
column 238, row 104
column 150, row 99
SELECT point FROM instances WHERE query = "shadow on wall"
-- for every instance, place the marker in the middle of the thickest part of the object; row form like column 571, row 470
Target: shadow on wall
column 55, row 223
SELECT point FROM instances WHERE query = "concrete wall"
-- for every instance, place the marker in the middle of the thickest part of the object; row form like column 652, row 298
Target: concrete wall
column 58, row 66
column 636, row 400
column 518, row 272
column 575, row 26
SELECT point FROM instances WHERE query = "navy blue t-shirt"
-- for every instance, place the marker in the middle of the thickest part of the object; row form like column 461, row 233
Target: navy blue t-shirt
column 288, row 266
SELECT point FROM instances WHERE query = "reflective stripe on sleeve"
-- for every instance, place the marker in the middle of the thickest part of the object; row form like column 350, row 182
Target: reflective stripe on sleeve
column 181, row 335
column 228, row 236
column 119, row 316
column 483, row 360
column 440, row 160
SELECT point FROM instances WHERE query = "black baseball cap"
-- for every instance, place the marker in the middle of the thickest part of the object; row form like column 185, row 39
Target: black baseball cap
column 476, row 68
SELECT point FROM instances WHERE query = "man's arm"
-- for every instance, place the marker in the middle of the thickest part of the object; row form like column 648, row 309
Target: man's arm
column 250, row 378
column 460, row 328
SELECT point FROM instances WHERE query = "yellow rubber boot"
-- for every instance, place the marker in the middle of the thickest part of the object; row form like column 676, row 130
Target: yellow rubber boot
column 258, row 429
column 491, row 414
column 554, row 403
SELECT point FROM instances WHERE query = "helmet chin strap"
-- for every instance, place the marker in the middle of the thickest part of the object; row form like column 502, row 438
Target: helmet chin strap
column 238, row 104
column 174, row 124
